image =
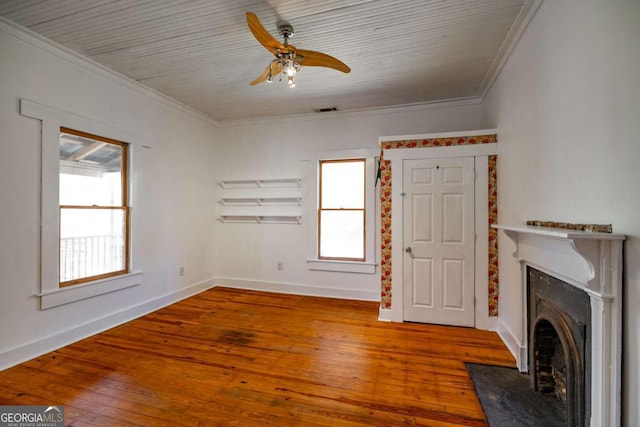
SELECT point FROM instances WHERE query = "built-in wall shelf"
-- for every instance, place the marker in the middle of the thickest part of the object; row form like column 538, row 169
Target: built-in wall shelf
column 261, row 183
column 261, row 201
column 260, row 219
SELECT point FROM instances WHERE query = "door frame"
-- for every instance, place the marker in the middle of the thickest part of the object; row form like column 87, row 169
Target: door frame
column 481, row 152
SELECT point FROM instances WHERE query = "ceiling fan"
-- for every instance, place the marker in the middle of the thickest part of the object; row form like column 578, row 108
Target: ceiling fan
column 289, row 60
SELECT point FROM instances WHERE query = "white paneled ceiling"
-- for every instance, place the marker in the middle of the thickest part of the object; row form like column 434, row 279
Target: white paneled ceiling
column 201, row 53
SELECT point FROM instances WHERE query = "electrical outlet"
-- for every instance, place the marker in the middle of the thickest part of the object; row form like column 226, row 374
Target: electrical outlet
column 280, row 266
column 182, row 271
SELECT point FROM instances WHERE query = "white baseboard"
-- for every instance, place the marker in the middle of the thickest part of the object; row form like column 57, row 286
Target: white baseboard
column 512, row 342
column 298, row 289
column 55, row 341
column 395, row 315
column 486, row 323
column 390, row 315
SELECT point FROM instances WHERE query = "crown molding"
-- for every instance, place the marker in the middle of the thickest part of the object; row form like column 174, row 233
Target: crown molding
column 526, row 14
column 34, row 39
column 360, row 112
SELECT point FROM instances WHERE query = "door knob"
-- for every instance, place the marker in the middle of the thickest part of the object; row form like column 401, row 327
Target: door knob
column 408, row 249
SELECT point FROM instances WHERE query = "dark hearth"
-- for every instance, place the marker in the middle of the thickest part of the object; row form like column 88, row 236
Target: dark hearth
column 559, row 332
column 508, row 400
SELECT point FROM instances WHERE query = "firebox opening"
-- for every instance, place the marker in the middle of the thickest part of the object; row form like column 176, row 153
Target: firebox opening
column 559, row 334
column 550, row 359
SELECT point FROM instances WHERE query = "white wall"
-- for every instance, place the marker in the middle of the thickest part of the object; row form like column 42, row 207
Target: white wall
column 567, row 109
column 276, row 149
column 174, row 209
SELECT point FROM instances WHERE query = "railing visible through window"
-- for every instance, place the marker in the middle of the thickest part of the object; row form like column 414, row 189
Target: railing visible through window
column 88, row 256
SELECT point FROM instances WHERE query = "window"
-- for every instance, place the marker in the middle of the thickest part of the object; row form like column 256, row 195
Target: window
column 94, row 214
column 341, row 212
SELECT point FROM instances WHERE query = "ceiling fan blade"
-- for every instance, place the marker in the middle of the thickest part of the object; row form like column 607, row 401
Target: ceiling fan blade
column 311, row 58
column 262, row 35
column 274, row 68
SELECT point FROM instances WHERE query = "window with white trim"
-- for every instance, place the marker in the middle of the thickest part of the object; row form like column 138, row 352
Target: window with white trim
column 52, row 292
column 94, row 211
column 342, row 210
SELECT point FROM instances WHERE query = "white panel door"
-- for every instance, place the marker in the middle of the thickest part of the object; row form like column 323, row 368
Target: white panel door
column 439, row 241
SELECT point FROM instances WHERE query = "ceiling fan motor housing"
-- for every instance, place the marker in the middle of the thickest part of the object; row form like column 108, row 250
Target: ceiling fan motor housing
column 285, row 31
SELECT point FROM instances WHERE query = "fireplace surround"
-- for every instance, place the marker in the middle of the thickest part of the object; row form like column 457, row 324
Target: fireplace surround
column 590, row 263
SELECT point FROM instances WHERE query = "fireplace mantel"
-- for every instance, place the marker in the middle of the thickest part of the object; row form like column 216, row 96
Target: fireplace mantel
column 593, row 262
column 581, row 258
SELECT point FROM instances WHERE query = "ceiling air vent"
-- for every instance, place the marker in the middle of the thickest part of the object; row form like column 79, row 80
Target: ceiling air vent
column 325, row 110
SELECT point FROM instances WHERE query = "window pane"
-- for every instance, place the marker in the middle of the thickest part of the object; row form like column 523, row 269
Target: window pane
column 91, row 242
column 343, row 185
column 342, row 234
column 90, row 171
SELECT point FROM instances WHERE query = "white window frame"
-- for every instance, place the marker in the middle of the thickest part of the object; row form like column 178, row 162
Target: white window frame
column 369, row 265
column 363, row 209
column 122, row 206
column 50, row 293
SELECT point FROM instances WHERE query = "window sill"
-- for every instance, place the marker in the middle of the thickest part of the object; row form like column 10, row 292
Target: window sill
column 342, row 266
column 69, row 294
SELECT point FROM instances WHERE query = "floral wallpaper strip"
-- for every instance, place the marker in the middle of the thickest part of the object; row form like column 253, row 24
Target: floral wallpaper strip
column 493, row 236
column 439, row 142
column 385, row 212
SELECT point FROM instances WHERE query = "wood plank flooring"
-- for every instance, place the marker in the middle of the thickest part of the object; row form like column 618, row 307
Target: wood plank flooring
column 231, row 357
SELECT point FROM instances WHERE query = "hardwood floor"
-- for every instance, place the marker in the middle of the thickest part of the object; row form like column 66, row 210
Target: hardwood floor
column 231, row 357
